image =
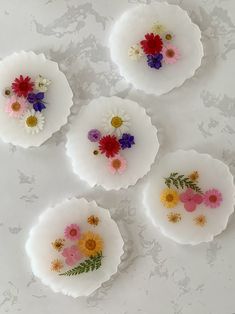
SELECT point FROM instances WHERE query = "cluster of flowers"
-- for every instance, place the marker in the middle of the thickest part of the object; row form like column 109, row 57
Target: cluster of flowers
column 157, row 47
column 75, row 245
column 117, row 125
column 190, row 198
column 26, row 100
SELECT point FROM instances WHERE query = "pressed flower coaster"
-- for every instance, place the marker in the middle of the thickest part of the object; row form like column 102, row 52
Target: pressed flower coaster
column 190, row 197
column 156, row 47
column 35, row 99
column 112, row 143
column 75, row 247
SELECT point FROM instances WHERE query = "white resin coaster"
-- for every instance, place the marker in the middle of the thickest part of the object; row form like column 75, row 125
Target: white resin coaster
column 75, row 247
column 112, row 143
column 35, row 99
column 156, row 47
column 190, row 197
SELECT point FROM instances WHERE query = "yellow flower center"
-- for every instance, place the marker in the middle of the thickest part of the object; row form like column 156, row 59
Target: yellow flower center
column 168, row 37
column 169, row 197
column 16, row 106
column 90, row 244
column 170, row 53
column 213, row 198
column 7, row 92
column 31, row 121
column 116, row 122
column 116, row 163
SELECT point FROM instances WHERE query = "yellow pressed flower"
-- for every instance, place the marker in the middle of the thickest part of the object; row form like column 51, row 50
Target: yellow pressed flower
column 56, row 265
column 169, row 198
column 174, row 217
column 58, row 244
column 200, row 220
column 194, row 176
column 90, row 243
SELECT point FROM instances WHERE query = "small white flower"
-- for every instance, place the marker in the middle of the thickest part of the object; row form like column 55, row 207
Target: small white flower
column 33, row 121
column 158, row 29
column 42, row 83
column 117, row 122
column 135, row 52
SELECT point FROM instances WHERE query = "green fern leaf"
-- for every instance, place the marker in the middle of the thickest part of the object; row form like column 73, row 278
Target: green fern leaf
column 91, row 264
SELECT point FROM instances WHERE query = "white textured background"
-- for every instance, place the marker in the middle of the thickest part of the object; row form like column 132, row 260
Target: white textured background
column 156, row 276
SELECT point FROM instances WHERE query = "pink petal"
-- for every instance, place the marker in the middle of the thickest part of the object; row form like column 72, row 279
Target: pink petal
column 190, row 206
column 197, row 198
column 184, row 197
column 70, row 261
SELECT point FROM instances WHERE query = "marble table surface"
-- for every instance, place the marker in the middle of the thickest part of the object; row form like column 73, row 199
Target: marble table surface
column 156, row 275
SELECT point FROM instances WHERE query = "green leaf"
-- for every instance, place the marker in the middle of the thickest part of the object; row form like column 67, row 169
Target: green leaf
column 182, row 181
column 91, row 264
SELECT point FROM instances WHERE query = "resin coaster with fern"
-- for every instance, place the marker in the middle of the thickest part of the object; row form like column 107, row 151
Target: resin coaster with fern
column 190, row 197
column 75, row 247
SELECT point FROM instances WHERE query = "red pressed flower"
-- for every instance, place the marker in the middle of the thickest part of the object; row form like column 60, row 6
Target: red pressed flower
column 22, row 86
column 152, row 44
column 109, row 145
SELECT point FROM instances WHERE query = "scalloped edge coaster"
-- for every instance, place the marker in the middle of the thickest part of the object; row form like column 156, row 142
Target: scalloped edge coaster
column 112, row 143
column 156, row 47
column 75, row 247
column 36, row 99
column 190, row 197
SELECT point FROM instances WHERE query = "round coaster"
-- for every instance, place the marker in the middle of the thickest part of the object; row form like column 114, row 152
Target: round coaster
column 75, row 247
column 190, row 197
column 156, row 47
column 36, row 99
column 112, row 143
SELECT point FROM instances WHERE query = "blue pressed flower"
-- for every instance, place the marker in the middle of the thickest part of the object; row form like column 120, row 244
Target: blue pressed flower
column 37, row 100
column 155, row 61
column 127, row 140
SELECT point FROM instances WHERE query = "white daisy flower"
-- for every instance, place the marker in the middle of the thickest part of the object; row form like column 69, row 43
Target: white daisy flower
column 42, row 83
column 135, row 52
column 158, row 29
column 117, row 122
column 33, row 121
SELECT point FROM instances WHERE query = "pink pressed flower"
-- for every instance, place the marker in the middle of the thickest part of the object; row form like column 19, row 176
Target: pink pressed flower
column 170, row 54
column 190, row 200
column 117, row 164
column 212, row 198
column 16, row 106
column 72, row 232
column 72, row 255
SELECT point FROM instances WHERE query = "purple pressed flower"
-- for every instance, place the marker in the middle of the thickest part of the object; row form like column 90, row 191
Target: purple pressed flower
column 37, row 100
column 94, row 135
column 154, row 61
column 127, row 140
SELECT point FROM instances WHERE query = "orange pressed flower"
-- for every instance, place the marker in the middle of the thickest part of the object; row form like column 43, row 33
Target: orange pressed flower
column 56, row 265
column 200, row 220
column 93, row 220
column 174, row 217
column 194, row 176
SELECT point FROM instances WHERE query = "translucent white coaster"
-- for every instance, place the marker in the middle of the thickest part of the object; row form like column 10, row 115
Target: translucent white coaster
column 190, row 197
column 156, row 47
column 112, row 143
column 35, row 97
column 75, row 247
